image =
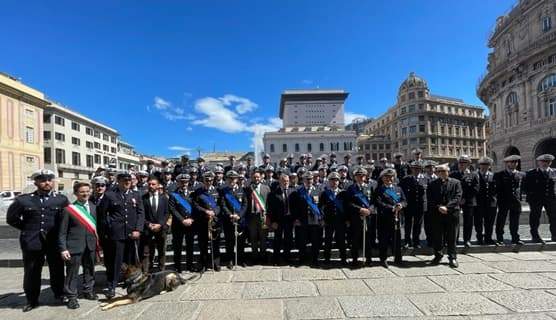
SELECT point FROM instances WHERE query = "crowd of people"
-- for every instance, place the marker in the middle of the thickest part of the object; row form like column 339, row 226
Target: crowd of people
column 301, row 209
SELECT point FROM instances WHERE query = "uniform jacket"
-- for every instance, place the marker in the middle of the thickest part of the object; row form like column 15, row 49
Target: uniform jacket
column 449, row 196
column 121, row 213
column 385, row 203
column 540, row 186
column 302, row 211
column 160, row 216
column 178, row 212
column 508, row 187
column 415, row 191
column 199, row 205
column 352, row 204
column 487, row 190
column 73, row 236
column 329, row 208
column 38, row 220
column 470, row 185
column 226, row 208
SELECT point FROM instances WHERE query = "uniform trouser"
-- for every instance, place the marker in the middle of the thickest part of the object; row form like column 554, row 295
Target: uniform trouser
column 283, row 238
column 257, row 237
column 412, row 225
column 535, row 216
column 204, row 244
column 484, row 216
column 336, row 230
column 151, row 242
column 86, row 259
column 179, row 232
column 445, row 228
column 308, row 234
column 356, row 231
column 121, row 251
column 514, row 210
column 229, row 238
column 33, row 262
column 468, row 214
column 389, row 235
column 427, row 222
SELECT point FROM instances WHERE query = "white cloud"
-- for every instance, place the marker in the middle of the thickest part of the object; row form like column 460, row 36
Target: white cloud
column 350, row 116
column 189, row 129
column 218, row 116
column 169, row 111
column 307, row 82
column 243, row 105
column 179, row 148
column 161, row 104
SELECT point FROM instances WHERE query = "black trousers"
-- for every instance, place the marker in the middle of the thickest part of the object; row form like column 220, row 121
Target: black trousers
column 356, row 231
column 86, row 259
column 179, row 233
column 468, row 214
column 335, row 229
column 389, row 236
column 283, row 238
column 427, row 222
column 149, row 243
column 120, row 251
column 485, row 216
column 535, row 216
column 308, row 234
column 514, row 210
column 33, row 262
column 412, row 224
column 445, row 229
column 229, row 238
column 205, row 258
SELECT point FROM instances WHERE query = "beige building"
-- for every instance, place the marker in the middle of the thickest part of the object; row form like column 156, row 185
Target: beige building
column 444, row 128
column 21, row 143
column 74, row 145
column 519, row 87
column 127, row 156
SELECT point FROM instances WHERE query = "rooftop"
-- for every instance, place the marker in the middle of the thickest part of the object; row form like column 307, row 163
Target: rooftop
column 311, row 95
column 56, row 106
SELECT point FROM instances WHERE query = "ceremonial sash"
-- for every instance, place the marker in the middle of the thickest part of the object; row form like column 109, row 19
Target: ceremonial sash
column 259, row 201
column 391, row 192
column 84, row 217
column 184, row 203
column 208, row 200
column 232, row 200
column 363, row 200
column 334, row 199
column 309, row 200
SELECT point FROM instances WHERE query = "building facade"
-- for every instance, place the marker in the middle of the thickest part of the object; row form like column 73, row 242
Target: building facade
column 128, row 158
column 519, row 87
column 21, row 143
column 313, row 122
column 442, row 127
column 74, row 145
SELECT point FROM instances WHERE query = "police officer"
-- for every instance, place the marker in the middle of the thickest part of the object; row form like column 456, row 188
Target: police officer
column 182, row 222
column 37, row 215
column 430, row 176
column 486, row 202
column 124, row 217
column 414, row 186
column 231, row 165
column 194, row 182
column 167, row 181
column 229, row 200
column 400, row 166
column 541, row 193
column 470, row 185
column 508, row 193
column 266, row 161
column 345, row 180
column 331, row 205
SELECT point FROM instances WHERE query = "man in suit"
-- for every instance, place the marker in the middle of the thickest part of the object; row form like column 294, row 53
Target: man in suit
column 508, row 193
column 254, row 210
column 430, row 176
column 229, row 200
column 123, row 212
column 541, row 193
column 414, row 186
column 77, row 242
column 37, row 215
column 281, row 221
column 182, row 222
column 331, row 205
column 401, row 166
column 470, row 185
column 156, row 226
column 486, row 202
column 444, row 197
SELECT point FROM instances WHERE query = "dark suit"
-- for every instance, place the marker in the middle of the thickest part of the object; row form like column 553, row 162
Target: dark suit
column 310, row 223
column 82, row 245
column 486, row 206
column 226, row 210
column 255, row 220
column 388, row 224
column 352, row 205
column 151, row 240
column 180, row 231
column 445, row 226
column 508, row 193
column 200, row 205
column 470, row 186
column 334, row 221
column 540, row 188
column 123, row 213
column 415, row 190
column 38, row 218
column 279, row 211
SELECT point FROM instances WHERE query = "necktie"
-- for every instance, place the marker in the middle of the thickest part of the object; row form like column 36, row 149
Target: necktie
column 154, row 202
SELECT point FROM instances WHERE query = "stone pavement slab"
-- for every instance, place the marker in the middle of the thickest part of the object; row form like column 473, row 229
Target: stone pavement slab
column 366, row 273
column 241, row 309
column 213, row 291
column 171, row 310
column 475, row 267
column 402, row 285
column 378, row 306
column 524, row 300
column 313, row 308
column 515, row 316
column 491, row 257
column 444, row 304
column 528, row 255
column 526, row 280
column 282, row 289
column 523, row 266
column 469, row 283
column 425, row 270
column 347, row 287
column 257, row 275
column 312, row 274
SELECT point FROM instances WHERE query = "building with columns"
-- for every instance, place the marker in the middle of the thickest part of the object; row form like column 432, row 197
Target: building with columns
column 442, row 127
column 313, row 122
column 519, row 86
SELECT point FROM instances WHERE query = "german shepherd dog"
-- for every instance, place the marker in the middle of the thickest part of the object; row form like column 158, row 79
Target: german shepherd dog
column 142, row 286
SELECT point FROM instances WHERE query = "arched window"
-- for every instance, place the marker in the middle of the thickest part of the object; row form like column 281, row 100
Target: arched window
column 511, row 99
column 547, row 83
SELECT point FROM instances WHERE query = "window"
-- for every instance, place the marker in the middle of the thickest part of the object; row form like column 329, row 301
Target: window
column 321, row 146
column 75, row 158
column 105, row 160
column 403, row 110
column 89, row 131
column 412, row 108
column 97, row 158
column 511, row 99
column 422, row 128
column 89, row 144
column 284, row 147
column 271, row 147
column 90, row 163
column 97, row 145
column 47, row 155
column 59, row 136
column 75, row 126
column 413, row 129
column 546, row 23
column 59, row 120
column 113, row 150
column 46, row 118
column 105, row 148
column 374, row 146
column 60, row 156
column 47, row 135
column 112, row 139
column 309, row 147
column 75, row 141
column 297, row 147
column 420, row 94
column 411, row 95
column 404, row 132
column 547, row 83
column 105, row 137
column 331, row 146
column 550, row 109
column 96, row 134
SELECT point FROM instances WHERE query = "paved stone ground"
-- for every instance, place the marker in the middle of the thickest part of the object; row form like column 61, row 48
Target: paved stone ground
column 486, row 286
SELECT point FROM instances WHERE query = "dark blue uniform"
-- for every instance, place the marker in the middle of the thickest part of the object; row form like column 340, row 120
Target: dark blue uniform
column 508, row 193
column 38, row 217
column 415, row 190
column 486, row 207
column 388, row 225
column 180, row 231
column 540, row 188
column 331, row 205
column 470, row 185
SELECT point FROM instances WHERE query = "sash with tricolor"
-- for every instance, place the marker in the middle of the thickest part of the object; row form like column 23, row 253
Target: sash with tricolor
column 260, row 204
column 85, row 218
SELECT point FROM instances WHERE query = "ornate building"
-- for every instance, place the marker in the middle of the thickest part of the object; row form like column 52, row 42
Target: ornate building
column 519, row 87
column 443, row 128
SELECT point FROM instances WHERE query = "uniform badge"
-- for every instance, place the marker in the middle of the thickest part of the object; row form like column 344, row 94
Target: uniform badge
column 134, row 202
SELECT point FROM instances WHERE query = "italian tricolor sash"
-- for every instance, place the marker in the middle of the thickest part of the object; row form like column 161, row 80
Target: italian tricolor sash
column 259, row 201
column 84, row 217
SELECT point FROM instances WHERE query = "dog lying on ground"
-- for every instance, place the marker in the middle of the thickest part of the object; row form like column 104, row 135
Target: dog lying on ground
column 142, row 286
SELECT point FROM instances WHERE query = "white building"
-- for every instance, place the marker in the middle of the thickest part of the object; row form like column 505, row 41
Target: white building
column 127, row 156
column 74, row 145
column 313, row 122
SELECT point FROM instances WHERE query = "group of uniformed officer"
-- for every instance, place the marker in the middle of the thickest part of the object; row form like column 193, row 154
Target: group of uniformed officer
column 305, row 205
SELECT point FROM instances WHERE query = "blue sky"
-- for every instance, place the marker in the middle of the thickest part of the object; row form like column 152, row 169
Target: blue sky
column 172, row 76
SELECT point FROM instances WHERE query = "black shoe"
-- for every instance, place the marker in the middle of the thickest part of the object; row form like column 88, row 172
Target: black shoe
column 217, row 267
column 538, row 240
column 518, row 242
column 230, row 265
column 417, row 245
column 355, row 264
column 500, row 241
column 90, row 296
column 405, row 245
column 490, row 242
column 480, row 241
column 110, row 293
column 436, row 261
column 30, row 306
column 467, row 244
column 73, row 304
column 384, row 264
column 453, row 263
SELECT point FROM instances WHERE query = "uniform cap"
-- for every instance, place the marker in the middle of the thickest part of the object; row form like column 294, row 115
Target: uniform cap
column 486, row 160
column 342, row 168
column 183, row 176
column 301, row 170
column 43, row 174
column 442, row 167
column 417, row 151
column 545, row 157
column 208, row 174
column 416, row 164
column 360, row 171
column 218, row 169
column 290, row 156
column 513, row 157
column 309, row 155
column 193, row 170
column 232, row 174
column 266, row 156
column 464, row 158
column 383, row 160
column 332, row 155
column 124, row 175
column 430, row 163
column 398, row 155
column 307, row 175
column 142, row 173
column 99, row 180
column 387, row 172
column 333, row 175
column 348, row 156
column 269, row 168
